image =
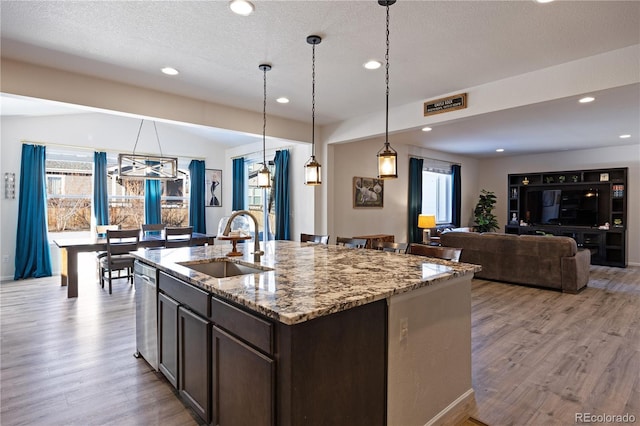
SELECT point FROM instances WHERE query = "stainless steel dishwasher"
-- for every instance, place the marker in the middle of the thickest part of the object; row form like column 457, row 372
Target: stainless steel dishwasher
column 146, row 313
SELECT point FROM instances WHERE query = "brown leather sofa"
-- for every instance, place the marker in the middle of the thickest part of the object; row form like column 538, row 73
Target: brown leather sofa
column 543, row 261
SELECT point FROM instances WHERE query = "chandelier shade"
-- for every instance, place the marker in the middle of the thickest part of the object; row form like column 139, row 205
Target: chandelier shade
column 133, row 166
column 141, row 166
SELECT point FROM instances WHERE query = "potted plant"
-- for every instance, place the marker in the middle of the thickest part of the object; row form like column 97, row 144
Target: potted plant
column 485, row 220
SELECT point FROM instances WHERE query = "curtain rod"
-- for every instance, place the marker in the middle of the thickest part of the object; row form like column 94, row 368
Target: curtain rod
column 249, row 154
column 86, row 148
column 436, row 159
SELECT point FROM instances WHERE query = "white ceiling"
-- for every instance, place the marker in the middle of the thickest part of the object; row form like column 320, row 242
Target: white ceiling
column 436, row 47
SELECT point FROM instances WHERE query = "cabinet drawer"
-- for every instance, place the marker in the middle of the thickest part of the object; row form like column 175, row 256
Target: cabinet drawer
column 248, row 327
column 197, row 300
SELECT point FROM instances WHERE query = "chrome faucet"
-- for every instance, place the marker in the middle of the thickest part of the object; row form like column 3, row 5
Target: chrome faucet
column 256, row 246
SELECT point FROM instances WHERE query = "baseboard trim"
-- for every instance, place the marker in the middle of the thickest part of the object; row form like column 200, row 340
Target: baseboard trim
column 455, row 412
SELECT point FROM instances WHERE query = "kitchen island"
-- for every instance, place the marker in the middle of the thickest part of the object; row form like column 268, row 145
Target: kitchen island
column 315, row 334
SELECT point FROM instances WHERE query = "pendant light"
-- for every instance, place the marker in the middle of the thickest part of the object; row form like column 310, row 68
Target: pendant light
column 387, row 156
column 313, row 169
column 264, row 176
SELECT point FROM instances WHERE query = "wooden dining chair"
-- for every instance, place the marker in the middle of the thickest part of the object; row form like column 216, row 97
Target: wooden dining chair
column 119, row 244
column 351, row 242
column 152, row 229
column 177, row 236
column 101, row 232
column 314, row 238
column 389, row 246
column 446, row 253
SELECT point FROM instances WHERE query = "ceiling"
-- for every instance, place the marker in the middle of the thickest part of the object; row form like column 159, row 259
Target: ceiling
column 437, row 47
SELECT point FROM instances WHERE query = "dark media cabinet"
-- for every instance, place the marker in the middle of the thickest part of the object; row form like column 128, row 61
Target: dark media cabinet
column 574, row 204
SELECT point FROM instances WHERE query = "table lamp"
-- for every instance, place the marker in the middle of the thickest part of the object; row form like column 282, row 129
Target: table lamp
column 426, row 222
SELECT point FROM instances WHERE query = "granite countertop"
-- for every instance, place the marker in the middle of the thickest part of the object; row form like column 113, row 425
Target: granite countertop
column 303, row 281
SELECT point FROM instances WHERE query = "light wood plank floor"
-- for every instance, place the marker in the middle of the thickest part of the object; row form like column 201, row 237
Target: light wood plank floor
column 538, row 356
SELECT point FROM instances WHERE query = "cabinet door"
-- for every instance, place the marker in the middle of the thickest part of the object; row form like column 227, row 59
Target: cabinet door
column 194, row 360
column 243, row 383
column 168, row 333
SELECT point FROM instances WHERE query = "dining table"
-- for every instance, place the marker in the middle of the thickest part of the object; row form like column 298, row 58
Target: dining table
column 70, row 247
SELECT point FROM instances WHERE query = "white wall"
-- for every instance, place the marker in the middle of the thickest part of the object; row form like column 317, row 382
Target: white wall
column 359, row 159
column 493, row 176
column 101, row 132
column 302, row 201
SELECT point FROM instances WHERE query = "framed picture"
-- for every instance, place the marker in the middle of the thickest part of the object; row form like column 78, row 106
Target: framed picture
column 213, row 188
column 604, row 177
column 368, row 192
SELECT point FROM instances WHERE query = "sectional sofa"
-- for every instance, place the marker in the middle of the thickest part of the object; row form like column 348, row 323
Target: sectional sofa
column 542, row 261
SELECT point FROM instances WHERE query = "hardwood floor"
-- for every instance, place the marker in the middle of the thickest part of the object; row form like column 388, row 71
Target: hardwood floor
column 538, row 356
column 70, row 361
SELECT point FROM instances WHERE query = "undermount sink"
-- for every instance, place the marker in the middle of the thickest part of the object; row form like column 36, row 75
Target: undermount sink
column 223, row 268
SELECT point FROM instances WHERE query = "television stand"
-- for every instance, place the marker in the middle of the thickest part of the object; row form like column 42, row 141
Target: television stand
column 607, row 246
column 571, row 200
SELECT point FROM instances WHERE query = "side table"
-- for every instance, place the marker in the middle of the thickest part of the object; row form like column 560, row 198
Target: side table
column 377, row 237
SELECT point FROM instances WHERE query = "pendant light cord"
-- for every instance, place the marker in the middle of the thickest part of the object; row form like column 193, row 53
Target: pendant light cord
column 313, row 99
column 138, row 137
column 386, row 57
column 264, row 118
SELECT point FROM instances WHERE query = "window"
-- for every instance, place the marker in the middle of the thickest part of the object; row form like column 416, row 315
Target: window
column 437, row 190
column 126, row 198
column 260, row 200
column 175, row 199
column 69, row 177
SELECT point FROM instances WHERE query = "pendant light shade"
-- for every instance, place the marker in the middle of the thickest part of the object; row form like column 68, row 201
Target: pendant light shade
column 387, row 162
column 387, row 156
column 264, row 176
column 313, row 169
column 312, row 172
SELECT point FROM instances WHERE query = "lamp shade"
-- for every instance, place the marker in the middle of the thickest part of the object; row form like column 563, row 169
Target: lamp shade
column 426, row 221
column 312, row 172
column 264, row 177
column 387, row 162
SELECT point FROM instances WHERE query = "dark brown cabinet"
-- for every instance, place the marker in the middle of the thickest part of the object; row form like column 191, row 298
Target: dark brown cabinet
column 233, row 366
column 194, row 361
column 244, row 369
column 168, row 338
column 243, row 383
column 575, row 204
column 185, row 342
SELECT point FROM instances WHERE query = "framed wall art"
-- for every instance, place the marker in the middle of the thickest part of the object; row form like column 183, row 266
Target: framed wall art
column 368, row 192
column 213, row 187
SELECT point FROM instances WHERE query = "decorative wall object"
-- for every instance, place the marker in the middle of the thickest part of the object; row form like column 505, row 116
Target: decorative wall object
column 213, row 188
column 368, row 192
column 10, row 185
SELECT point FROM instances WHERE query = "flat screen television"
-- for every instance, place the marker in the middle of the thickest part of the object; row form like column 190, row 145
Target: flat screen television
column 571, row 207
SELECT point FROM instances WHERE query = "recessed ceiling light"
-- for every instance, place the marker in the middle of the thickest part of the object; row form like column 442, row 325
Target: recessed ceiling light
column 625, row 136
column 587, row 99
column 500, row 150
column 241, row 7
column 543, row 1
column 372, row 65
column 427, row 129
column 170, row 71
column 282, row 100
